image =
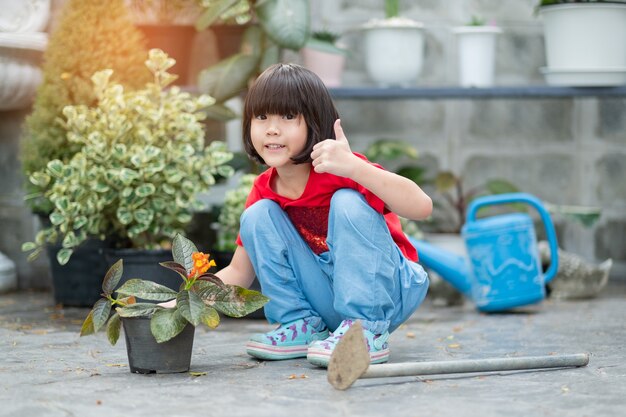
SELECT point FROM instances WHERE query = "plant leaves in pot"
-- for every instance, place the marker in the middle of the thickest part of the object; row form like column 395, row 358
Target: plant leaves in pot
column 159, row 337
column 141, row 163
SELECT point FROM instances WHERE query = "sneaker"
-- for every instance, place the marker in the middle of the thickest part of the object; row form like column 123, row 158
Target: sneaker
column 288, row 341
column 319, row 352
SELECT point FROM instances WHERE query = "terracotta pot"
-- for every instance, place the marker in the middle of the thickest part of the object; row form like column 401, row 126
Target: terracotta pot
column 328, row 66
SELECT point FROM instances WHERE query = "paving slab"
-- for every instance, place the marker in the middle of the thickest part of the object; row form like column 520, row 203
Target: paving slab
column 47, row 370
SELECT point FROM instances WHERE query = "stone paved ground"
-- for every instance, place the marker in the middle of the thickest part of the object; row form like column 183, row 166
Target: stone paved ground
column 47, row 370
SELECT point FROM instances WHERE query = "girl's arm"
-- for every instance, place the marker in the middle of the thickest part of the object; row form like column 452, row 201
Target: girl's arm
column 240, row 271
column 401, row 195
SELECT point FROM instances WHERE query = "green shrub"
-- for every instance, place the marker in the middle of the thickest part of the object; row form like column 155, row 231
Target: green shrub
column 140, row 165
column 91, row 35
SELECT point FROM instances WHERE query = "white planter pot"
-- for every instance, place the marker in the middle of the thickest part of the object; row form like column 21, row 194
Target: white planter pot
column 394, row 52
column 476, row 46
column 585, row 44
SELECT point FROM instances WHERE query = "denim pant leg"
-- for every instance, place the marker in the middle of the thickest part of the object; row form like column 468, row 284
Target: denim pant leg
column 291, row 275
column 372, row 280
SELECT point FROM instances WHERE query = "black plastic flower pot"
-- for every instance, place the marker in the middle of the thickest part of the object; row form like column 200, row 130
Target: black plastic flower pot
column 79, row 282
column 146, row 356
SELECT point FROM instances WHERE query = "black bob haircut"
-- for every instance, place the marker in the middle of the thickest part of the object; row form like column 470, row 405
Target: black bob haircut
column 291, row 89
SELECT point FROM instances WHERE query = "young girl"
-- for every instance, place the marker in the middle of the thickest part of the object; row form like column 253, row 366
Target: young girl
column 319, row 229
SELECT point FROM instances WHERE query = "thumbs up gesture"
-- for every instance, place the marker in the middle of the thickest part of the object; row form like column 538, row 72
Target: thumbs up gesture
column 334, row 156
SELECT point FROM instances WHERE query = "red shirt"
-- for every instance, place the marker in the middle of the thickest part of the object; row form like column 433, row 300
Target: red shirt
column 309, row 212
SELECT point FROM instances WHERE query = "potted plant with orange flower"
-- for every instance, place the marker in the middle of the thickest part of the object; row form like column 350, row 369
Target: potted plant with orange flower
column 159, row 339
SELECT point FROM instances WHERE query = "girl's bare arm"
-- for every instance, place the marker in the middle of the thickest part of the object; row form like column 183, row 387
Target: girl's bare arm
column 401, row 195
column 240, row 271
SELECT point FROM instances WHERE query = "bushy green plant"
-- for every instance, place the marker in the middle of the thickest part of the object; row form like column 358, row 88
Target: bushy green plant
column 140, row 164
column 91, row 35
column 231, row 211
column 200, row 297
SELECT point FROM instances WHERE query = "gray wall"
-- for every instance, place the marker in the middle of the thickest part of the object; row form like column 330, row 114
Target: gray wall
column 567, row 151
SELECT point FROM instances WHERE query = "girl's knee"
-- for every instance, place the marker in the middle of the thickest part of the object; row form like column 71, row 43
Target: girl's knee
column 346, row 197
column 259, row 212
column 350, row 205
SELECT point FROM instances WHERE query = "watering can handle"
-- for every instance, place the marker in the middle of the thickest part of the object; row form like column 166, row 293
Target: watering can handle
column 538, row 205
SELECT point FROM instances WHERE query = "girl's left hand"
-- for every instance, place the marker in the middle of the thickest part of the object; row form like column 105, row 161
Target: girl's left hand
column 334, row 156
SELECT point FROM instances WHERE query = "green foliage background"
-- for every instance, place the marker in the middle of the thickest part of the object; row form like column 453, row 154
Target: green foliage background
column 92, row 35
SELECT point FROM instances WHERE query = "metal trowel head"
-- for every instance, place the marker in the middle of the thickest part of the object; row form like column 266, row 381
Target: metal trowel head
column 350, row 359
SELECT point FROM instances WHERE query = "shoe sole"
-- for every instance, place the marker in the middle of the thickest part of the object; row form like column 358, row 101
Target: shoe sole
column 276, row 353
column 321, row 357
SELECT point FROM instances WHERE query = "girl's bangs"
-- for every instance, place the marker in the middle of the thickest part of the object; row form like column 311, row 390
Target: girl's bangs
column 276, row 94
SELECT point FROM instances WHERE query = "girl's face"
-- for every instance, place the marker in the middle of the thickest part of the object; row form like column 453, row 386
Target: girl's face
column 278, row 137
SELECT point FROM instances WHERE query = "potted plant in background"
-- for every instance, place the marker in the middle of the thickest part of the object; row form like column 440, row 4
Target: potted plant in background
column 585, row 42
column 476, row 47
column 322, row 56
column 394, row 48
column 141, row 161
column 160, row 339
column 104, row 38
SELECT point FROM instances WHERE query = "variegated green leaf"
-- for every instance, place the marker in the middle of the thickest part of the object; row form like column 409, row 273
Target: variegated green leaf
column 138, row 310
column 190, row 306
column 113, row 329
column 63, row 255
column 182, row 249
column 145, row 190
column 124, row 215
column 100, row 313
column 55, row 168
column 210, row 317
column 230, row 300
column 147, row 290
column 166, row 324
column 175, row 266
column 87, row 327
column 112, row 277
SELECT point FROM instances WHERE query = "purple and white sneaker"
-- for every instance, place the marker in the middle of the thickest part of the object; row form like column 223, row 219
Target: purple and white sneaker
column 319, row 352
column 287, row 341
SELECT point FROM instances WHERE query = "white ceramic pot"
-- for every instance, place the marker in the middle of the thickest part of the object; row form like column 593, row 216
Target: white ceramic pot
column 585, row 43
column 394, row 52
column 476, row 47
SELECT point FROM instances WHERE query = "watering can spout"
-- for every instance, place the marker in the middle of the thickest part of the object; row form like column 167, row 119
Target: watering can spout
column 451, row 267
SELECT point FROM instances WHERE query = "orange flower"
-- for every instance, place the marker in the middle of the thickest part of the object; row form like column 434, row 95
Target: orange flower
column 201, row 263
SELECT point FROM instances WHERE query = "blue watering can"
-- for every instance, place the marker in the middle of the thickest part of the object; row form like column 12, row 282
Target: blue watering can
column 503, row 270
